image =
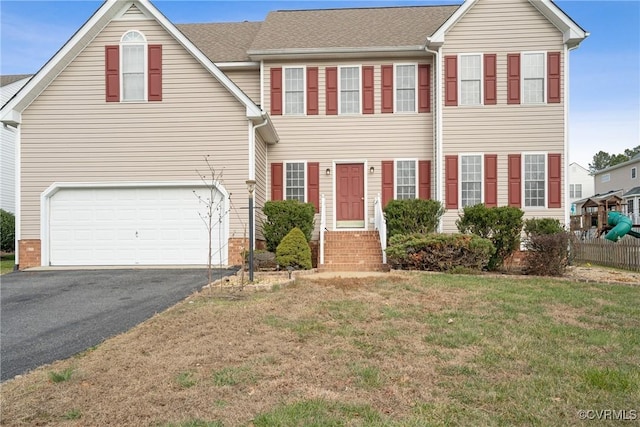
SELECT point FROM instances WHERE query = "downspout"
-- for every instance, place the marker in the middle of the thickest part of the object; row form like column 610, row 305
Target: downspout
column 18, row 196
column 437, row 128
column 252, row 157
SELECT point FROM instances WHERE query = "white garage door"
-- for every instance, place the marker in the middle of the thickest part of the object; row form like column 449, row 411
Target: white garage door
column 131, row 226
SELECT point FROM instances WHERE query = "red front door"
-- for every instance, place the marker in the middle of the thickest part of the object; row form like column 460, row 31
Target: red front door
column 350, row 194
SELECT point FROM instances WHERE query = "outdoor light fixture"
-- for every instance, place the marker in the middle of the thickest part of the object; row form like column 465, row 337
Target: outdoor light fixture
column 251, row 186
column 328, row 172
column 372, row 169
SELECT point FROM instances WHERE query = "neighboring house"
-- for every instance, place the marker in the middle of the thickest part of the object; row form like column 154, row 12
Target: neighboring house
column 626, row 178
column 9, row 86
column 580, row 184
column 463, row 104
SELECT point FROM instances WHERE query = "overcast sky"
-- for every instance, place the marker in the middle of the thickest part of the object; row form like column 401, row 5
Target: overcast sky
column 604, row 109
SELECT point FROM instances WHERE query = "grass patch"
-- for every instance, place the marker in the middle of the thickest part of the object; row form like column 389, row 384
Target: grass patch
column 73, row 414
column 408, row 350
column 232, row 376
column 61, row 376
column 7, row 263
column 186, row 379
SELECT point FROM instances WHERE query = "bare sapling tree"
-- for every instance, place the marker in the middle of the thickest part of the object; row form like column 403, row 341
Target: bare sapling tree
column 214, row 209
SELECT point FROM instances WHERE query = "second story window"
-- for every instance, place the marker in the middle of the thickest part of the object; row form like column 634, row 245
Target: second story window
column 294, row 90
column 634, row 173
column 575, row 191
column 406, row 88
column 133, row 66
column 349, row 90
column 533, row 75
column 470, row 78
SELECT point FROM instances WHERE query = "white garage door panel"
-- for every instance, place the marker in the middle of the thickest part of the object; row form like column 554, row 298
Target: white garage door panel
column 131, row 226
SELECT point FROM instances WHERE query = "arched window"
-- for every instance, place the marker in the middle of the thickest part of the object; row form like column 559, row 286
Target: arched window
column 133, row 58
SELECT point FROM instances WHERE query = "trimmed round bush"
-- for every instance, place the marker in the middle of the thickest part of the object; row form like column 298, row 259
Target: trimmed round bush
column 294, row 251
column 412, row 216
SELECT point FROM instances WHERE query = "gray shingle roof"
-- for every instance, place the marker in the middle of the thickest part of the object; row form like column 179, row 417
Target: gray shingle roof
column 633, row 192
column 350, row 28
column 8, row 79
column 222, row 42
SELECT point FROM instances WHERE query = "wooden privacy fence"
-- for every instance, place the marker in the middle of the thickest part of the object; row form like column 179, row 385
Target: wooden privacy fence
column 623, row 254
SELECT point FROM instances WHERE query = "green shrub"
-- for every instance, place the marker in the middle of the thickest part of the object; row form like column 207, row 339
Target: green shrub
column 438, row 252
column 547, row 245
column 412, row 216
column 501, row 225
column 542, row 226
column 282, row 216
column 7, row 231
column 294, row 251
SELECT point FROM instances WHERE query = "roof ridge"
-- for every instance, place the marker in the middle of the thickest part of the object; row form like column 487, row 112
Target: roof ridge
column 368, row 8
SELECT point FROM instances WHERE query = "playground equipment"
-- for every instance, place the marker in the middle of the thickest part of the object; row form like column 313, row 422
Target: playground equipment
column 621, row 226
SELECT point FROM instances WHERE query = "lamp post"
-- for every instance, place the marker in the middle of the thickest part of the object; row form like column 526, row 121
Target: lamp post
column 251, row 185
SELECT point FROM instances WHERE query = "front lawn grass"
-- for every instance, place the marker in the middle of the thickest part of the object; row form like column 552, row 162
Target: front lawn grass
column 7, row 261
column 399, row 350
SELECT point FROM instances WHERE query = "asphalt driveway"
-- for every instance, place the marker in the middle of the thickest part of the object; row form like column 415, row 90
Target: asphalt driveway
column 51, row 315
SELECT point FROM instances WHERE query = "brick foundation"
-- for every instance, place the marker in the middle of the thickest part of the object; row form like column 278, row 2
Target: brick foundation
column 29, row 253
column 237, row 246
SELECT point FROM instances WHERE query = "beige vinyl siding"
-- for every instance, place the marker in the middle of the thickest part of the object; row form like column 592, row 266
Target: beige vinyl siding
column 369, row 138
column 502, row 129
column 72, row 135
column 248, row 81
column 261, row 184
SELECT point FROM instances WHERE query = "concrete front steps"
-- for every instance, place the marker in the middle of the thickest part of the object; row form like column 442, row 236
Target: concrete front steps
column 352, row 251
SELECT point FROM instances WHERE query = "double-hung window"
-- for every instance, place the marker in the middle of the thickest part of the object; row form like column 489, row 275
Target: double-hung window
column 295, row 181
column 534, row 180
column 533, row 78
column 406, row 179
column 575, row 191
column 634, row 173
column 470, row 179
column 349, row 90
column 134, row 48
column 406, row 88
column 294, row 91
column 471, row 79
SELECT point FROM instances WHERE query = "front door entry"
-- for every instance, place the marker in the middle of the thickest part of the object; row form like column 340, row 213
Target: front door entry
column 350, row 195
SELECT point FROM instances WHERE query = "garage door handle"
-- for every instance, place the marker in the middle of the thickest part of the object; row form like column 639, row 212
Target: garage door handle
column 136, row 234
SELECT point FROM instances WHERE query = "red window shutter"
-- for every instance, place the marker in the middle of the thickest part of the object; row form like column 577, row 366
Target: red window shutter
column 276, row 91
column 277, row 187
column 332, row 90
column 312, row 91
column 313, row 184
column 555, row 180
column 424, row 179
column 490, row 97
column 451, row 181
column 553, row 77
column 424, row 88
column 155, row 72
column 387, row 88
column 367, row 89
column 387, row 182
column 490, row 180
column 112, row 73
column 451, row 81
column 515, row 180
column 513, row 78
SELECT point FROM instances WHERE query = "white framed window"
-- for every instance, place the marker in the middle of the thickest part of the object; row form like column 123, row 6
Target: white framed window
column 406, row 82
column 349, row 90
column 634, row 173
column 294, row 94
column 133, row 63
column 295, row 181
column 535, row 179
column 406, row 185
column 533, row 77
column 605, row 178
column 575, row 191
column 470, row 79
column 470, row 179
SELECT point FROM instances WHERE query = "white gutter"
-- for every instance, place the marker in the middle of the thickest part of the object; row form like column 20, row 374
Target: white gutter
column 262, row 84
column 437, row 131
column 567, row 200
